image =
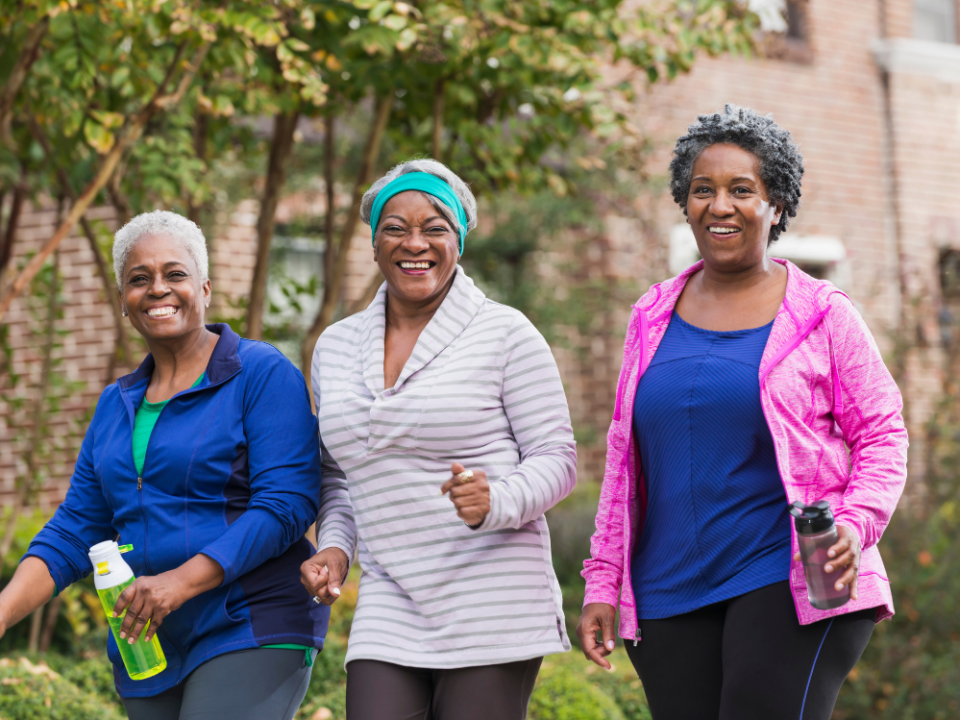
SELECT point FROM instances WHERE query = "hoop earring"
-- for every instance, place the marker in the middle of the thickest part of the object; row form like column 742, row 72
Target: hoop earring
column 123, row 311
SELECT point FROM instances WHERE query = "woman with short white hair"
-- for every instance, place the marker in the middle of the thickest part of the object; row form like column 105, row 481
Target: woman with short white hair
column 205, row 462
column 436, row 394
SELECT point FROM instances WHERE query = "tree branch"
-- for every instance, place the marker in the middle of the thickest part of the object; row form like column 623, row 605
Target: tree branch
column 438, row 119
column 284, row 127
column 107, row 166
column 16, row 206
column 332, row 290
column 109, row 289
column 10, row 89
column 329, row 228
column 368, row 295
column 117, row 198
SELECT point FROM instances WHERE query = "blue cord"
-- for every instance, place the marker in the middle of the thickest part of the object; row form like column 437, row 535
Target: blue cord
column 812, row 667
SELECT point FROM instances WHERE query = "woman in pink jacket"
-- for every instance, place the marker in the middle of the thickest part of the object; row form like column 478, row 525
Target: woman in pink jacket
column 746, row 385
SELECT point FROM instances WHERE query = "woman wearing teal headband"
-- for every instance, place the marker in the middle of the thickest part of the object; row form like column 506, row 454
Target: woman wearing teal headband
column 445, row 437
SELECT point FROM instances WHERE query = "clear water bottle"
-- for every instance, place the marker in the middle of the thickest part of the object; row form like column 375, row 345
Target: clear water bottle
column 111, row 577
column 817, row 533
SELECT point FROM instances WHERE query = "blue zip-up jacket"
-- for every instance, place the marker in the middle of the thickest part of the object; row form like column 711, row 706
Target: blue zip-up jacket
column 232, row 471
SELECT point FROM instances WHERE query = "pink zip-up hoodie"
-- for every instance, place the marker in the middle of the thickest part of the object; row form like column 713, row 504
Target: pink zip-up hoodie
column 824, row 389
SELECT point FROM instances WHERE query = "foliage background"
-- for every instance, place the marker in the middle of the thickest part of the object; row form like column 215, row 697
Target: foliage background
column 526, row 115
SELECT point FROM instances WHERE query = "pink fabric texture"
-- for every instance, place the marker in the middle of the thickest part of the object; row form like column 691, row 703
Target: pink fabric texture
column 824, row 389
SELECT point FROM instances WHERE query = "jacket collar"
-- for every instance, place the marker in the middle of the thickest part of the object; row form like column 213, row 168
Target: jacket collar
column 800, row 302
column 801, row 310
column 224, row 363
column 458, row 308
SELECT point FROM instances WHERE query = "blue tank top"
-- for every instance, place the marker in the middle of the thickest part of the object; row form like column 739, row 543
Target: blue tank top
column 716, row 524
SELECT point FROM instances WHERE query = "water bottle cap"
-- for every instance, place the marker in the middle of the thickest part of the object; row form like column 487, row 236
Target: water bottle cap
column 811, row 519
column 103, row 551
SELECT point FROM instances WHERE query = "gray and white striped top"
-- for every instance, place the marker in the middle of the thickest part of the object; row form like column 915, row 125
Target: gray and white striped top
column 481, row 388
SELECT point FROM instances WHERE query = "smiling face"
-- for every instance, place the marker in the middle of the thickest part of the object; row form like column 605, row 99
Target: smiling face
column 729, row 209
column 416, row 248
column 162, row 290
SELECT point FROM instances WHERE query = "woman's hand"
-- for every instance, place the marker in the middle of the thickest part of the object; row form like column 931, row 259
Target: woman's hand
column 844, row 554
column 324, row 573
column 470, row 496
column 151, row 599
column 597, row 617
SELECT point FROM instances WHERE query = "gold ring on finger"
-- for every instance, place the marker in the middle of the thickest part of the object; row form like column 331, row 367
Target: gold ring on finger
column 466, row 476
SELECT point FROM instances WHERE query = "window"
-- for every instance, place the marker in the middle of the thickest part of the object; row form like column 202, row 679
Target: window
column 293, row 289
column 935, row 20
column 822, row 256
column 796, row 16
column 950, row 273
column 793, row 43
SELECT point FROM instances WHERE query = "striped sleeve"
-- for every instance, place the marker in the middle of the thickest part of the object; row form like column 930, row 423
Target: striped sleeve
column 336, row 526
column 536, row 408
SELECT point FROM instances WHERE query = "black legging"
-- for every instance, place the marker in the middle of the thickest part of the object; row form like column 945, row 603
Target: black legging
column 748, row 658
column 384, row 691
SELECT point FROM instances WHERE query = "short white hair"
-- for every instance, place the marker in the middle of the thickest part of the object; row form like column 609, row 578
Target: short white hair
column 160, row 222
column 437, row 169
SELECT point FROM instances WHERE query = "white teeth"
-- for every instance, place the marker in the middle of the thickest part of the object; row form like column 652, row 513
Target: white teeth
column 162, row 311
column 723, row 230
column 415, row 265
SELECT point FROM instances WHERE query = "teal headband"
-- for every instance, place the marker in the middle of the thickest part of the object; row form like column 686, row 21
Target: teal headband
column 424, row 182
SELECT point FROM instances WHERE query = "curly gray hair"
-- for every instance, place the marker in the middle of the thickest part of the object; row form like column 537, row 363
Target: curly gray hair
column 437, row 169
column 781, row 164
column 160, row 222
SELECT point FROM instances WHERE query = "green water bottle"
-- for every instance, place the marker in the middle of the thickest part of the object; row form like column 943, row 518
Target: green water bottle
column 111, row 577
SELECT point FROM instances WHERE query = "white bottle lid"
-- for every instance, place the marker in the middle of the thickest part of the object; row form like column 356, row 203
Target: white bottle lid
column 109, row 567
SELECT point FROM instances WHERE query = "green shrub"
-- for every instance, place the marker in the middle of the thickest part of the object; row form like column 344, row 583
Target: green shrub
column 564, row 693
column 911, row 669
column 94, row 675
column 571, row 524
column 36, row 692
column 328, row 682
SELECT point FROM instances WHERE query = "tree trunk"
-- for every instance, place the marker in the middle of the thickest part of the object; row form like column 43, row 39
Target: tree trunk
column 437, row 148
column 368, row 295
column 117, row 198
column 332, row 289
column 53, row 614
column 36, row 623
column 284, row 126
column 10, row 90
column 138, row 121
column 16, row 206
column 329, row 226
column 201, row 128
column 113, row 298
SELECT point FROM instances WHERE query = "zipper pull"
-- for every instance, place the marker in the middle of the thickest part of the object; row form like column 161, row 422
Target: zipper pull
column 139, row 483
column 637, row 638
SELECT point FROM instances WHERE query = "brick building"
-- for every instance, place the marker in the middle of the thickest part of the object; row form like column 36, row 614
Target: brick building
column 869, row 88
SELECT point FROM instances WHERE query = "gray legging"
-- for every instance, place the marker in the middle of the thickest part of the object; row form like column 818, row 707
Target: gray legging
column 256, row 684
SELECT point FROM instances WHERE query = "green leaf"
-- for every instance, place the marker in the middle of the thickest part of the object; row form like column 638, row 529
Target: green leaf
column 99, row 138
column 379, row 11
column 109, row 120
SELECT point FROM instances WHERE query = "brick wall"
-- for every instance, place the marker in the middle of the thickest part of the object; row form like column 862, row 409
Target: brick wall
column 85, row 356
column 834, row 104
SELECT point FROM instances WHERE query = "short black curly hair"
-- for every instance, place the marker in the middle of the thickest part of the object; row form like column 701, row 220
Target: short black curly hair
column 781, row 164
